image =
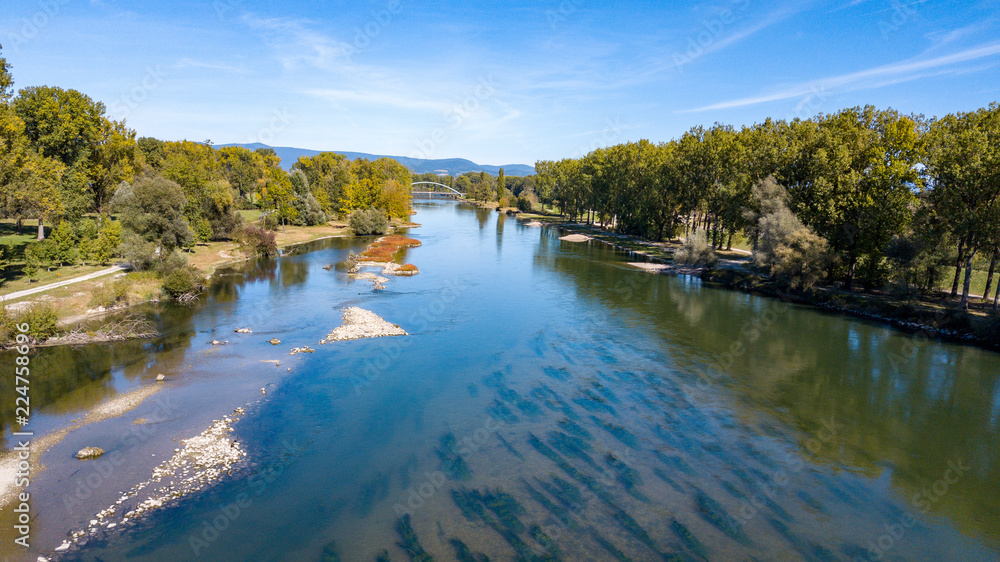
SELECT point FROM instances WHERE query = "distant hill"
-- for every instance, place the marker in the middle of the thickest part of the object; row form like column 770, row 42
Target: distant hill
column 450, row 166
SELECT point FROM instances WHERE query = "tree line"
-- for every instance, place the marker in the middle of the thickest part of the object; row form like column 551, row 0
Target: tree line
column 861, row 195
column 65, row 163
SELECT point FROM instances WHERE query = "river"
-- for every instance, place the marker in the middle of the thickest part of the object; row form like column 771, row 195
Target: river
column 549, row 400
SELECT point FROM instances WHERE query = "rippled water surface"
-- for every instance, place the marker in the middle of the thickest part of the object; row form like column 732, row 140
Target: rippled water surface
column 553, row 403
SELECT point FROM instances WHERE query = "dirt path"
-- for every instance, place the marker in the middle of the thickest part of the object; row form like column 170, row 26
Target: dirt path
column 87, row 277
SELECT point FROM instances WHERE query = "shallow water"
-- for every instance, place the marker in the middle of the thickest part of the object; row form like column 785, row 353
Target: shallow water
column 622, row 414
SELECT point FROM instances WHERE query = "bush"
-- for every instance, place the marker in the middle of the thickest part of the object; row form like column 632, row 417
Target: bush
column 182, row 281
column 109, row 240
column 524, row 204
column 42, row 321
column 369, row 221
column 179, row 278
column 256, row 241
column 109, row 294
column 801, row 260
column 697, row 250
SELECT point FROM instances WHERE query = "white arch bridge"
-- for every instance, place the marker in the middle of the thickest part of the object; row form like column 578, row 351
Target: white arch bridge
column 454, row 192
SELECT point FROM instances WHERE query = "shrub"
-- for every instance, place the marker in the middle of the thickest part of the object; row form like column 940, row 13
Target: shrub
column 182, row 281
column 179, row 278
column 369, row 221
column 801, row 260
column 697, row 250
column 524, row 204
column 256, row 241
column 42, row 321
column 109, row 294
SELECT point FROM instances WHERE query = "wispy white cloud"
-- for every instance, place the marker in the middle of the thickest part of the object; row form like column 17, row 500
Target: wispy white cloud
column 877, row 77
column 296, row 44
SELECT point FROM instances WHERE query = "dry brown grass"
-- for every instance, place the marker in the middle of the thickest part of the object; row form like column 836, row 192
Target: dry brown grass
column 385, row 249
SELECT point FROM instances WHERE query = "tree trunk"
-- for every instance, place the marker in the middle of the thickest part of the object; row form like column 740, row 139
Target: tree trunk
column 729, row 245
column 41, row 231
column 849, row 282
column 968, row 280
column 996, row 298
column 19, row 225
column 958, row 268
column 989, row 276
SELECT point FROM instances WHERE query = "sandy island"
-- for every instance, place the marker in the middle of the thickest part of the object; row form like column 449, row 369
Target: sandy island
column 575, row 238
column 360, row 323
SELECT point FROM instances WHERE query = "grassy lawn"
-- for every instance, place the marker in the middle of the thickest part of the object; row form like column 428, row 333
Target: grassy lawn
column 976, row 287
column 14, row 281
column 249, row 215
column 12, row 278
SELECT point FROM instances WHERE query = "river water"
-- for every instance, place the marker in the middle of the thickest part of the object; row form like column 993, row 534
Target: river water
column 551, row 401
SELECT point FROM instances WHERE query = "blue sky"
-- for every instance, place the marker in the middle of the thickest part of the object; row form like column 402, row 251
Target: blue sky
column 498, row 82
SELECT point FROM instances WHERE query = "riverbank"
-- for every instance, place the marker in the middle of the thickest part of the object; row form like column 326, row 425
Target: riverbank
column 80, row 313
column 929, row 315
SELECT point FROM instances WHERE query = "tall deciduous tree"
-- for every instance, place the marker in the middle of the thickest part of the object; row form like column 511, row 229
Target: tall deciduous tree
column 153, row 209
column 963, row 165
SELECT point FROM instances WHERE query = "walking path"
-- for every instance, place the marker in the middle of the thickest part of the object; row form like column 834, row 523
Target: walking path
column 87, row 277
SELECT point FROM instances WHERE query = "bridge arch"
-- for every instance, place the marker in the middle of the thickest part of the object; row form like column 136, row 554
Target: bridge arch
column 455, row 191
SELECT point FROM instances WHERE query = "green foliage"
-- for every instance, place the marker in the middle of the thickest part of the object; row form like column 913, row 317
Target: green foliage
column 371, row 221
column 179, row 277
column 203, row 230
column 153, row 210
column 42, row 321
column 140, row 254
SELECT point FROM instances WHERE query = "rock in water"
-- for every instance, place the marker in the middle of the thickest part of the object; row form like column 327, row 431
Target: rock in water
column 160, row 377
column 274, row 341
column 87, row 453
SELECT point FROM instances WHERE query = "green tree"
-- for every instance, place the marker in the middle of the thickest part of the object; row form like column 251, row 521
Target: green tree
column 962, row 165
column 109, row 238
column 501, row 188
column 153, row 210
